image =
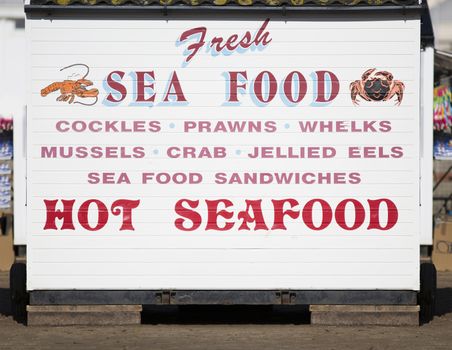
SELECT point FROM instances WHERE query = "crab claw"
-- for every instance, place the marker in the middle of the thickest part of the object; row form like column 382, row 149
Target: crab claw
column 355, row 91
column 397, row 90
column 386, row 74
column 399, row 100
column 368, row 73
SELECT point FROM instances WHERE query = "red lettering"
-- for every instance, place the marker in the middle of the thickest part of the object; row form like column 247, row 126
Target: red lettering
column 272, row 87
column 327, row 214
column 187, row 213
column 174, row 84
column 117, row 86
column 141, row 86
column 125, row 206
column 195, row 47
column 302, row 87
column 258, row 218
column 246, row 41
column 234, row 86
column 261, row 37
column 102, row 215
column 340, row 214
column 317, row 214
column 213, row 214
column 279, row 212
column 232, row 39
column 52, row 214
column 334, row 85
column 393, row 214
column 216, row 44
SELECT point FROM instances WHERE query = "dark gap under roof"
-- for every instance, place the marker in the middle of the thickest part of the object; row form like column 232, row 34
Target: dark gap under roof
column 288, row 3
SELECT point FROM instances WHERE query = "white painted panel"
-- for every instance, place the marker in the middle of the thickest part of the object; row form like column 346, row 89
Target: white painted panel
column 427, row 80
column 20, row 177
column 12, row 104
column 158, row 253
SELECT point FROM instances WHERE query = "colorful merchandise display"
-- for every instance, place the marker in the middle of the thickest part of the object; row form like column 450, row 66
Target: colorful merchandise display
column 6, row 123
column 442, row 147
column 6, row 155
column 442, row 122
column 6, row 149
column 442, row 114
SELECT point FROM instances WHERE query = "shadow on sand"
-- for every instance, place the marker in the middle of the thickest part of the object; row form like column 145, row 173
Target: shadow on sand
column 230, row 314
column 443, row 301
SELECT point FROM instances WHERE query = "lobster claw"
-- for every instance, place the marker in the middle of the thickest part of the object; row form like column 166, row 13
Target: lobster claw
column 88, row 93
column 85, row 82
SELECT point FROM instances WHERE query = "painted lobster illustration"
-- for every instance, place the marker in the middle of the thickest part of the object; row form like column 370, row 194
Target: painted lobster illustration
column 69, row 89
column 377, row 86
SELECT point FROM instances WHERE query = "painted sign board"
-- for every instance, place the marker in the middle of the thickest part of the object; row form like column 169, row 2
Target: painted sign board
column 227, row 154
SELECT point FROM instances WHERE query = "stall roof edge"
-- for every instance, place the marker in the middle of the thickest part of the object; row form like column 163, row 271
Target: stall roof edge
column 427, row 32
column 227, row 3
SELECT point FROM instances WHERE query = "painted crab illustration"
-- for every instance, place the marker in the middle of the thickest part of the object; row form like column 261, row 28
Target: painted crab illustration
column 377, row 86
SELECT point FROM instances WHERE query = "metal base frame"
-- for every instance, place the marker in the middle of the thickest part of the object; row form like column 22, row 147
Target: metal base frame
column 215, row 297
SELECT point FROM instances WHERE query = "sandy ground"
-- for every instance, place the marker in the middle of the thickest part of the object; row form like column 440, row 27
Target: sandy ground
column 230, row 328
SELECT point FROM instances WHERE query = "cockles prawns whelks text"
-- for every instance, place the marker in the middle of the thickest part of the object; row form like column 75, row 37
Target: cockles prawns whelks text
column 292, row 88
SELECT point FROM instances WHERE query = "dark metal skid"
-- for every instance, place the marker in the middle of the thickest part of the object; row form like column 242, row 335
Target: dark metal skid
column 215, row 297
